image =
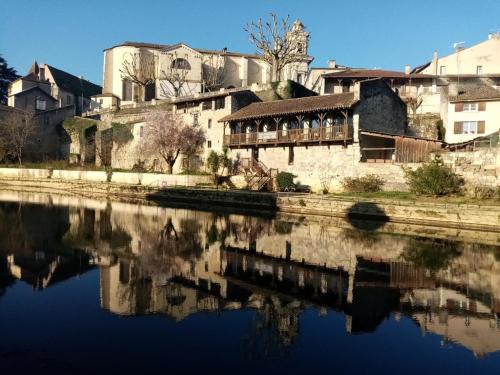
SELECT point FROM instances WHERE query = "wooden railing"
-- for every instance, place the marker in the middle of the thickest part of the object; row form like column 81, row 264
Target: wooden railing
column 330, row 133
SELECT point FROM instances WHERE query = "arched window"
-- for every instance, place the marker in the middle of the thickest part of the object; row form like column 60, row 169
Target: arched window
column 180, row 63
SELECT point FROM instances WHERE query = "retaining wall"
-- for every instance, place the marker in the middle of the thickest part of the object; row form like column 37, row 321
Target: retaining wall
column 153, row 180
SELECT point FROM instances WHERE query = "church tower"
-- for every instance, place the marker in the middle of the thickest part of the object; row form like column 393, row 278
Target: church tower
column 299, row 70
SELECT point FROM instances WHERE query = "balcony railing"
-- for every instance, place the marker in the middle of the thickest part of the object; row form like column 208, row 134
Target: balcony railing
column 325, row 134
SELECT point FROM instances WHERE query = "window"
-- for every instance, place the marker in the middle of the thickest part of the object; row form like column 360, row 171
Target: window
column 195, row 118
column 141, row 131
column 207, row 104
column 479, row 69
column 442, row 70
column 126, row 90
column 41, row 105
column 470, row 107
column 291, row 155
column 180, row 63
column 210, row 123
column 220, row 103
column 469, row 127
column 299, row 78
column 300, row 48
column 68, row 99
column 209, row 144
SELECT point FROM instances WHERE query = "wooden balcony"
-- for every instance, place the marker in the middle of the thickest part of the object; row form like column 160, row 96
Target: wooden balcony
column 335, row 133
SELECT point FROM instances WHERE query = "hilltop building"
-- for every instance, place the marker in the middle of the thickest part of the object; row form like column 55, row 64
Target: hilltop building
column 181, row 70
column 46, row 88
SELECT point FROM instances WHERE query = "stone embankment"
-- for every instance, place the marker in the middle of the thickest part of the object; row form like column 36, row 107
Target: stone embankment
column 174, row 190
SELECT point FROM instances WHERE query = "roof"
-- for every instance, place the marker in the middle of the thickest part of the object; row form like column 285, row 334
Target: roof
column 374, row 73
column 35, row 88
column 167, row 46
column 293, row 106
column 477, row 93
column 73, row 84
column 210, row 95
column 389, row 135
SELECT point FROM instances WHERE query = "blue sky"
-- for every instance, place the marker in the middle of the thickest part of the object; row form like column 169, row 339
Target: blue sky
column 386, row 34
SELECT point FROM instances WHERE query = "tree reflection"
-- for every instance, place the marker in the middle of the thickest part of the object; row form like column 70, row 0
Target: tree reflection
column 431, row 254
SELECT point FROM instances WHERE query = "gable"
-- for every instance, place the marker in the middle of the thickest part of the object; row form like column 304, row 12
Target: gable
column 182, row 49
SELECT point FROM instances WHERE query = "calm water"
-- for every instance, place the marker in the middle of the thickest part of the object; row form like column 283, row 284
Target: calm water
column 92, row 287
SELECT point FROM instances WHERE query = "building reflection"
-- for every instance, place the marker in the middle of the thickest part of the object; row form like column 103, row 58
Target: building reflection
column 178, row 262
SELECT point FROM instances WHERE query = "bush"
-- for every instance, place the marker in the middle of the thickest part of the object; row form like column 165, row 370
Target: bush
column 433, row 178
column 367, row 184
column 284, row 180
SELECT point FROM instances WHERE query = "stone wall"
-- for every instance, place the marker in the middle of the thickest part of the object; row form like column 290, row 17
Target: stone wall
column 481, row 167
column 316, row 166
column 153, row 180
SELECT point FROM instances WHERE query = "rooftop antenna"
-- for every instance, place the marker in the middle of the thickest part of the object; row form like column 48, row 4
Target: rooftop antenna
column 456, row 46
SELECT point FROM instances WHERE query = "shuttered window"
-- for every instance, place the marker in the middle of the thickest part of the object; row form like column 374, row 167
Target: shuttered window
column 481, row 127
column 469, row 127
column 459, row 107
column 482, row 106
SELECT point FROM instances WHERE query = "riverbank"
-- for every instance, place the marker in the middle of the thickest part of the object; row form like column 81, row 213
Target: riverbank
column 481, row 217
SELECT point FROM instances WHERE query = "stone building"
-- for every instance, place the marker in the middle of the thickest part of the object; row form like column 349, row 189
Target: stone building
column 204, row 110
column 180, row 70
column 45, row 88
column 323, row 138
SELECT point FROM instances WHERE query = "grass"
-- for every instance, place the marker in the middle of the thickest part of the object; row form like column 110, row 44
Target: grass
column 402, row 195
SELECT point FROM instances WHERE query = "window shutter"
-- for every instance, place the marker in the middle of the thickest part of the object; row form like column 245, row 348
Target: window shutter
column 458, row 127
column 480, row 127
column 482, row 106
column 459, row 107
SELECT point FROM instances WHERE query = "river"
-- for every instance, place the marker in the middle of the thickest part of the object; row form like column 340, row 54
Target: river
column 90, row 286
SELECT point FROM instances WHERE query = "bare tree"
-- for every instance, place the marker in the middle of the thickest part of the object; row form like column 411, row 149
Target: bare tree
column 276, row 43
column 174, row 75
column 213, row 71
column 414, row 102
column 140, row 68
column 167, row 135
column 17, row 129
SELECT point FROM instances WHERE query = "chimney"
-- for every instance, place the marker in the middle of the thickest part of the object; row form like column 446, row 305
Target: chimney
column 434, row 63
column 332, row 64
column 407, row 69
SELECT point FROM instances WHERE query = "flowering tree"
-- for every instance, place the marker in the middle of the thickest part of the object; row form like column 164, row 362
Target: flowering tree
column 167, row 135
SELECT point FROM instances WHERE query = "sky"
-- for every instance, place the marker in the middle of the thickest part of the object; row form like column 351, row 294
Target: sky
column 386, row 34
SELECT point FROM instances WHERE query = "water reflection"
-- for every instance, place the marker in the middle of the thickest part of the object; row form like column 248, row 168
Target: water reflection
column 179, row 262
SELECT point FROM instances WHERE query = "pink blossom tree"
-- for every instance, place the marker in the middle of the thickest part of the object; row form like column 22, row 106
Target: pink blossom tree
column 167, row 135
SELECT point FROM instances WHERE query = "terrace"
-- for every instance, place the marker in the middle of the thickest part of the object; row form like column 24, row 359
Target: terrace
column 310, row 120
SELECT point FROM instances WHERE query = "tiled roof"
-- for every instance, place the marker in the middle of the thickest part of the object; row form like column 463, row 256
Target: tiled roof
column 73, row 84
column 374, row 73
column 292, row 106
column 477, row 93
column 166, row 46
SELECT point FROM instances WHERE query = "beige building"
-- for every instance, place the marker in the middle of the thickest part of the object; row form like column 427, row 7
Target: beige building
column 180, row 70
column 474, row 112
column 478, row 60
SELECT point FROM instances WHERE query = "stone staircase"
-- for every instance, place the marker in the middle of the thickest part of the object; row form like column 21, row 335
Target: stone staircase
column 257, row 175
